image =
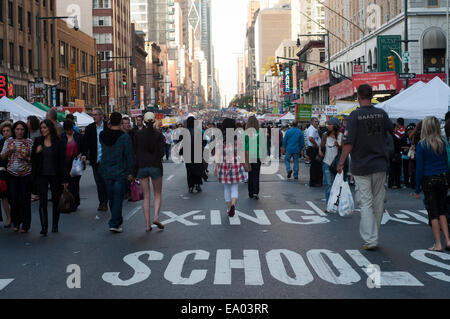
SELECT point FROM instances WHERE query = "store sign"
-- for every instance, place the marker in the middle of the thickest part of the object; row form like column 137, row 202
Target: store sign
column 358, row 69
column 294, row 79
column 304, row 112
column 287, row 79
column 331, row 110
column 31, row 92
column 111, row 89
column 142, row 97
column 386, row 43
column 54, row 96
column 73, row 82
column 136, row 113
column 319, row 113
column 381, row 81
column 3, row 85
column 425, row 78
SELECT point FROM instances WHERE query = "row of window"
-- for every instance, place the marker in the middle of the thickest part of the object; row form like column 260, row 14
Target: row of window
column 77, row 57
column 20, row 15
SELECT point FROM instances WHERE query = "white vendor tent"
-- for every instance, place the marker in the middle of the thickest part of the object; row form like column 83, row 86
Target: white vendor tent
column 30, row 107
column 83, row 119
column 401, row 96
column 288, row 117
column 17, row 113
column 432, row 99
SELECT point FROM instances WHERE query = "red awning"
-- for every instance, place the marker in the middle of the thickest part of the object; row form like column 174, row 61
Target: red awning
column 379, row 81
column 425, row 78
column 341, row 90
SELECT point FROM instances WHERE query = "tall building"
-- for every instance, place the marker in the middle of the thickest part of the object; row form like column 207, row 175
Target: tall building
column 112, row 32
column 271, row 27
column 309, row 24
column 141, row 91
column 18, row 45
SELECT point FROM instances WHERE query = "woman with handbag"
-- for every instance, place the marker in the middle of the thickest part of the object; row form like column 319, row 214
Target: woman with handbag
column 17, row 150
column 431, row 178
column 72, row 143
column 6, row 131
column 228, row 168
column 332, row 143
column 49, row 165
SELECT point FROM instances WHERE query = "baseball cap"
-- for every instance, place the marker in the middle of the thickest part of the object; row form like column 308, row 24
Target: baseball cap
column 149, row 116
column 334, row 121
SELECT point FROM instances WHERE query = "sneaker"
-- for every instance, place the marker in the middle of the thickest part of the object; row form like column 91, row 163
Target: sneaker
column 116, row 230
column 368, row 248
column 289, row 174
column 232, row 211
column 296, row 178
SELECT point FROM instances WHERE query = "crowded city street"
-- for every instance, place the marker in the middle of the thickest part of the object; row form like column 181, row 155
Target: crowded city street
column 284, row 246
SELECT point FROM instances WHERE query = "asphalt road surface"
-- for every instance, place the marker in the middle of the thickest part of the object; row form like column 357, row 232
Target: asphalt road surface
column 282, row 246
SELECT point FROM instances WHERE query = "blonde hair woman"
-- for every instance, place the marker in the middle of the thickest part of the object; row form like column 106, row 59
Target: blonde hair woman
column 431, row 171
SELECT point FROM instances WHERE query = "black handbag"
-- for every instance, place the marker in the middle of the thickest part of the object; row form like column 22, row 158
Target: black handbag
column 66, row 203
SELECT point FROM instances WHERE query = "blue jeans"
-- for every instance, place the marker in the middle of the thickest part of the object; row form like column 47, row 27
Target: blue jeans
column 116, row 192
column 101, row 186
column 287, row 161
column 328, row 180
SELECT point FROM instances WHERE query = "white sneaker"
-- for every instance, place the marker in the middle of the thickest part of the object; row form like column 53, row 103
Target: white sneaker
column 116, row 230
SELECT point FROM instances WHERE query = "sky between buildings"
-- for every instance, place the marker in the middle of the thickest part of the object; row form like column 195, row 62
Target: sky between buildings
column 229, row 18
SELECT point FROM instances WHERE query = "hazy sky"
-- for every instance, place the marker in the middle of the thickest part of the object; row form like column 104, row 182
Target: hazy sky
column 229, row 19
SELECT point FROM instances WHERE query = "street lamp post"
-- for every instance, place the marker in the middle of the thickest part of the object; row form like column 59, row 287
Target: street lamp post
column 38, row 29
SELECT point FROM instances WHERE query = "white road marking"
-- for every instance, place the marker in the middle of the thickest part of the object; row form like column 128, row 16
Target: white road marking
column 181, row 218
column 281, row 177
column 4, row 283
column 316, row 209
column 199, row 217
column 133, row 212
column 387, row 278
column 170, row 177
column 216, row 218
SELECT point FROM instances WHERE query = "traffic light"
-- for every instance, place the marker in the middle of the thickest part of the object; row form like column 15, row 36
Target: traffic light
column 391, row 62
column 274, row 69
column 281, row 67
column 124, row 79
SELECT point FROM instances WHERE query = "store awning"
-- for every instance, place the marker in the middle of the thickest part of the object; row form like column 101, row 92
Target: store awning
column 379, row 81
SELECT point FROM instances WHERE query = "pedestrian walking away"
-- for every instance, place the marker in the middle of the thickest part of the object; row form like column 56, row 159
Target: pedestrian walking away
column 314, row 141
column 228, row 168
column 17, row 150
column 116, row 165
column 293, row 144
column 194, row 169
column 332, row 144
column 92, row 151
column 72, row 142
column 49, row 161
column 150, row 144
column 431, row 178
column 255, row 151
column 365, row 138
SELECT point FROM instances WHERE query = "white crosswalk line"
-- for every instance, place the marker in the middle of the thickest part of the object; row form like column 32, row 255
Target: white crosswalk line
column 169, row 178
column 4, row 283
column 281, row 177
column 133, row 212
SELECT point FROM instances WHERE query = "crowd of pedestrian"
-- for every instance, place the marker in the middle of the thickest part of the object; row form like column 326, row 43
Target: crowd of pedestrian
column 366, row 147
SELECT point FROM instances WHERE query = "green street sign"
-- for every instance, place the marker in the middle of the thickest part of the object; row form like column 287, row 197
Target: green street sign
column 386, row 43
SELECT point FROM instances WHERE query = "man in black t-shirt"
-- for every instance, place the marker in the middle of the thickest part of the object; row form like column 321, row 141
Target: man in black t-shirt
column 365, row 139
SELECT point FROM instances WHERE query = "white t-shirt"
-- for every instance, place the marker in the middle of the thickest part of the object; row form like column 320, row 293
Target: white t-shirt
column 312, row 132
column 331, row 150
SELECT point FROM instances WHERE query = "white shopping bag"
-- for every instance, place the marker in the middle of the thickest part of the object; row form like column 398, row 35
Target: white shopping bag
column 341, row 199
column 77, row 168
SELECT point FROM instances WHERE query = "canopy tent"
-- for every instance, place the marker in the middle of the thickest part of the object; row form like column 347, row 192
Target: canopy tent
column 402, row 95
column 30, row 107
column 15, row 113
column 10, row 106
column 83, row 119
column 348, row 111
column 430, row 100
column 288, row 117
column 43, row 107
